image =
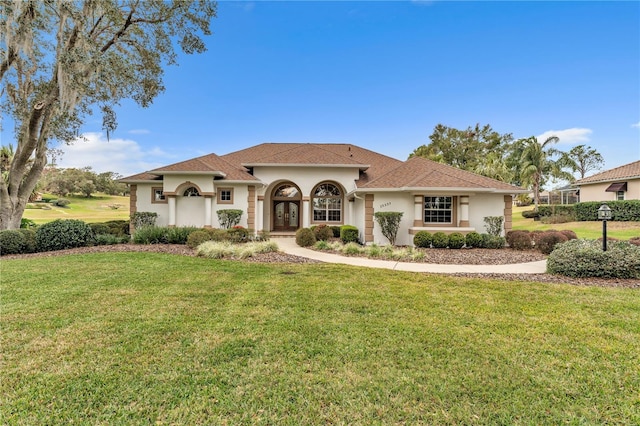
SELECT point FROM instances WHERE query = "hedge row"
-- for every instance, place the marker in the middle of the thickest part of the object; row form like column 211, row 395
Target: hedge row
column 584, row 258
column 455, row 240
column 622, row 211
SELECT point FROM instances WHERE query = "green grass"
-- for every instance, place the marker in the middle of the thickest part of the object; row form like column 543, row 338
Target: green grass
column 587, row 230
column 141, row 338
column 93, row 209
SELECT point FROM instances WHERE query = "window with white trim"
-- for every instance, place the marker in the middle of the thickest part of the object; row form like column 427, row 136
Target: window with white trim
column 157, row 196
column 327, row 203
column 438, row 209
column 620, row 195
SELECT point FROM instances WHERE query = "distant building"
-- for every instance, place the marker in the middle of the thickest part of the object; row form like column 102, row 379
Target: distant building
column 621, row 183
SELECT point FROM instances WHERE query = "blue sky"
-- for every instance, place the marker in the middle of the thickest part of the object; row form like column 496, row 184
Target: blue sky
column 381, row 75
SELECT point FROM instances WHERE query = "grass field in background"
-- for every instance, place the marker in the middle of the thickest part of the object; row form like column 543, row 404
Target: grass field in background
column 587, row 230
column 140, row 338
column 92, row 209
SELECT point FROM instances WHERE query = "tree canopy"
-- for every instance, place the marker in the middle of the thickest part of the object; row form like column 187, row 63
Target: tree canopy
column 60, row 60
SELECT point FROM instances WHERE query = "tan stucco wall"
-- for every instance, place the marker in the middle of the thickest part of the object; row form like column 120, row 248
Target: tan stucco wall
column 596, row 191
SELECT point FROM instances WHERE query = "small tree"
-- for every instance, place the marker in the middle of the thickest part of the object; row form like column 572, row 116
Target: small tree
column 389, row 224
column 493, row 225
column 229, row 217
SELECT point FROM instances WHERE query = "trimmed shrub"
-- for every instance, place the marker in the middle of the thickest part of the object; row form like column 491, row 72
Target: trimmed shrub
column 569, row 234
column 456, row 240
column 585, row 258
column 162, row 235
column 349, row 234
column 422, row 239
column 494, row 242
column 440, row 240
column 323, row 233
column 61, row 202
column 336, row 231
column 100, row 228
column 530, row 214
column 143, row 219
column 118, row 227
column 11, row 242
column 198, row 237
column 63, row 234
column 561, row 210
column 217, row 234
column 624, row 210
column 238, row 234
column 305, row 237
column 109, row 239
column 548, row 241
column 473, row 239
column 29, row 242
column 179, row 235
column 519, row 240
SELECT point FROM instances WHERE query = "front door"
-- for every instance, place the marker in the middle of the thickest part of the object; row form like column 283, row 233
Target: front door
column 286, row 217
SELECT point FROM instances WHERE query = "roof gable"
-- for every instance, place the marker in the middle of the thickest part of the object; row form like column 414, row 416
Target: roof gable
column 627, row 171
column 419, row 172
column 210, row 163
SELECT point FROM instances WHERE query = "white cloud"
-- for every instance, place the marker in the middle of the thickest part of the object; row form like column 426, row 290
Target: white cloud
column 124, row 156
column 568, row 136
column 636, row 124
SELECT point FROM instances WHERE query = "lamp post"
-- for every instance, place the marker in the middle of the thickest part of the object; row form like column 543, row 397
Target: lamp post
column 604, row 214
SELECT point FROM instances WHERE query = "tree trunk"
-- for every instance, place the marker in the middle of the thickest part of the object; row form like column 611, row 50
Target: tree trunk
column 11, row 210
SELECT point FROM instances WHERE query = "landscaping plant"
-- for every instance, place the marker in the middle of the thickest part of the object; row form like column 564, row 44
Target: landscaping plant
column 389, row 224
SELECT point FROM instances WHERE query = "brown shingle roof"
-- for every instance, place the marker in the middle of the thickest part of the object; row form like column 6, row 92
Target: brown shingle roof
column 627, row 171
column 208, row 163
column 418, row 172
column 316, row 153
column 140, row 177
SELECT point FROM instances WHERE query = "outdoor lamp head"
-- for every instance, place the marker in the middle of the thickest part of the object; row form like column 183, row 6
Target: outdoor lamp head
column 604, row 212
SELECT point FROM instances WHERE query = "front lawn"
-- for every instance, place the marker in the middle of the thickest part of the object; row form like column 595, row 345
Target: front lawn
column 587, row 230
column 146, row 338
column 98, row 208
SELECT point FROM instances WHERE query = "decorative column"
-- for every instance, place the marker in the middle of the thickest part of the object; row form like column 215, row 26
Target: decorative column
column 171, row 200
column 464, row 211
column 251, row 207
column 208, row 200
column 260, row 213
column 368, row 218
column 133, row 205
column 349, row 220
column 508, row 211
column 305, row 212
column 417, row 210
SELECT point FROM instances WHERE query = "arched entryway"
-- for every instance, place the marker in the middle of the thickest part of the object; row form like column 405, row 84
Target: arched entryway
column 285, row 207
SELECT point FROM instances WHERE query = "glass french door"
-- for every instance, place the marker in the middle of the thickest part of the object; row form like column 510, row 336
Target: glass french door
column 286, row 215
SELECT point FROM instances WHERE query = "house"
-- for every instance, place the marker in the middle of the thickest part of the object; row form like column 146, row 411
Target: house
column 281, row 187
column 621, row 183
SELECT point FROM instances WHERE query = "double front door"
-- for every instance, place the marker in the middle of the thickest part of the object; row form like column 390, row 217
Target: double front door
column 286, row 215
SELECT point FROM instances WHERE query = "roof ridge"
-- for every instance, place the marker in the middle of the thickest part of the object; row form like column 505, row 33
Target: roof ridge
column 595, row 177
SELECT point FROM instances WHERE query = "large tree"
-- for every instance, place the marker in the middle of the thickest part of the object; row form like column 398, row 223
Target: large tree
column 583, row 159
column 61, row 59
column 466, row 149
column 539, row 163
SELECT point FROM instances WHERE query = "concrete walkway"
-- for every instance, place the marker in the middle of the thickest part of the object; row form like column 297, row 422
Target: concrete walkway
column 289, row 246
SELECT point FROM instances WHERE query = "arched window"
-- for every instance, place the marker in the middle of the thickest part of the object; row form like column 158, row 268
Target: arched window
column 286, row 190
column 192, row 191
column 327, row 203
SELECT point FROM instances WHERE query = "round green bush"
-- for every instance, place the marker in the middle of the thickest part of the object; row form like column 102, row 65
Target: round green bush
column 494, row 242
column 322, row 233
column 440, row 240
column 548, row 241
column 349, row 234
column 217, row 234
column 198, row 237
column 238, row 234
column 63, row 234
column 530, row 214
column 305, row 237
column 29, row 240
column 585, row 258
column 62, row 202
column 100, row 228
column 519, row 240
column 336, row 231
column 473, row 239
column 456, row 240
column 11, row 242
column 422, row 239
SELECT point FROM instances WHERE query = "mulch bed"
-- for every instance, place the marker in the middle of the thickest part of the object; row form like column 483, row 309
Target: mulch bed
column 469, row 257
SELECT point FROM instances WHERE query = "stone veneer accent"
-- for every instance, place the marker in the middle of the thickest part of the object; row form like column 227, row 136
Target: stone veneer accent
column 508, row 211
column 133, row 201
column 368, row 218
column 251, row 207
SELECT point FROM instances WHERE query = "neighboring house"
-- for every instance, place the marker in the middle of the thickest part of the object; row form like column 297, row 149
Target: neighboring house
column 281, row 187
column 621, row 183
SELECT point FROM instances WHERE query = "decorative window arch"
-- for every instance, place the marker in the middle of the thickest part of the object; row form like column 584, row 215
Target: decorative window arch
column 326, row 199
column 286, row 191
column 191, row 191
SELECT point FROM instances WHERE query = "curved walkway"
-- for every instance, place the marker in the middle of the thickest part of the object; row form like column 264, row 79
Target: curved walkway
column 289, row 246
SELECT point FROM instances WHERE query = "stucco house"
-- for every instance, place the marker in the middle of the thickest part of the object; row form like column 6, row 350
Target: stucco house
column 281, row 187
column 621, row 183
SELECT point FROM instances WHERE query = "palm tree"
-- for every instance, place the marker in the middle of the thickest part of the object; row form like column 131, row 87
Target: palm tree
column 538, row 164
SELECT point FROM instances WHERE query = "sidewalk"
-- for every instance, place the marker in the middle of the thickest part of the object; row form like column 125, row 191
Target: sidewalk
column 289, row 246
